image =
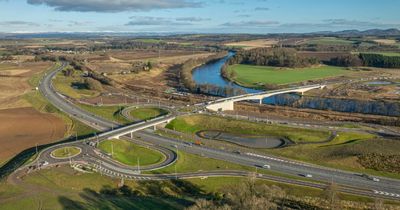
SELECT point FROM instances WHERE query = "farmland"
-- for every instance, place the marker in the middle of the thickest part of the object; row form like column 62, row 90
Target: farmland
column 22, row 128
column 253, row 43
column 329, row 41
column 253, row 76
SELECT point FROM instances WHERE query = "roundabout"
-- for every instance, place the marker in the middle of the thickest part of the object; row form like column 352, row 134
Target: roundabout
column 66, row 152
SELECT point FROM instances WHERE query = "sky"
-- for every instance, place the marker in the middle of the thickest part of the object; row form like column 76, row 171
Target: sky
column 197, row 16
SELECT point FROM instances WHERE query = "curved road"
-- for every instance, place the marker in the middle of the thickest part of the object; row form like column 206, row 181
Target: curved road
column 349, row 181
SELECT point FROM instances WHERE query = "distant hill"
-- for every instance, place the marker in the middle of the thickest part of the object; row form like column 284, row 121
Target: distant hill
column 345, row 33
column 370, row 32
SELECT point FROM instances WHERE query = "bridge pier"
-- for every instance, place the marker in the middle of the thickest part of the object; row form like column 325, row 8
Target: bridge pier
column 154, row 128
column 131, row 135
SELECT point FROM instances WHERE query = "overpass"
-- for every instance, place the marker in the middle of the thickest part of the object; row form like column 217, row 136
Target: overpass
column 130, row 129
column 226, row 104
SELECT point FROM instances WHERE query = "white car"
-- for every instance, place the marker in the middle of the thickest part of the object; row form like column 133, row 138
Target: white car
column 266, row 166
column 308, row 175
column 375, row 179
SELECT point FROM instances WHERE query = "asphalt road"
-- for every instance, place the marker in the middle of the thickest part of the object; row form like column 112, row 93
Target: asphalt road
column 386, row 187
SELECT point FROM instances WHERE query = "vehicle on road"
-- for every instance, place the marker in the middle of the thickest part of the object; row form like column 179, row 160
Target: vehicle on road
column 266, row 166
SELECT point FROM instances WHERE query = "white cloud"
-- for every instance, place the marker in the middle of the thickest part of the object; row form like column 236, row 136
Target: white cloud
column 114, row 5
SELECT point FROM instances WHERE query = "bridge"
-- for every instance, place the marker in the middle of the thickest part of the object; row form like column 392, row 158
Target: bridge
column 130, row 129
column 226, row 104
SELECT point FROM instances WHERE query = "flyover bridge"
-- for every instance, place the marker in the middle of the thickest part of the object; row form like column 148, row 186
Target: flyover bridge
column 130, row 129
column 226, row 104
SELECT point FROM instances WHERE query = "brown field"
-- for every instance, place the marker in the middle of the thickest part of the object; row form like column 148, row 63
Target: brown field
column 158, row 77
column 385, row 41
column 14, row 82
column 22, row 128
column 145, row 54
column 254, row 43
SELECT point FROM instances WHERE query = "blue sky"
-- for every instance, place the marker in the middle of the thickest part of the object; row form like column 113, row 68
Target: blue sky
column 208, row 16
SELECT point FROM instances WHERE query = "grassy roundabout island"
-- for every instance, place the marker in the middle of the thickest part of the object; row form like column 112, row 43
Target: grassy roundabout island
column 196, row 123
column 146, row 113
column 254, row 76
column 128, row 153
column 66, row 152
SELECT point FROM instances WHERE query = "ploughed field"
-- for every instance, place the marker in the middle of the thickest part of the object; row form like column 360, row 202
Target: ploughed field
column 254, row 76
column 23, row 128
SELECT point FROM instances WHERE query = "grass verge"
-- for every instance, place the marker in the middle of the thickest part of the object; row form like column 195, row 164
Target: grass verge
column 147, row 113
column 66, row 152
column 129, row 153
column 195, row 123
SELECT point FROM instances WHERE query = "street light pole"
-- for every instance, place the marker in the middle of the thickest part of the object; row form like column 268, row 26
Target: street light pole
column 176, row 174
column 138, row 164
column 112, row 150
column 37, row 163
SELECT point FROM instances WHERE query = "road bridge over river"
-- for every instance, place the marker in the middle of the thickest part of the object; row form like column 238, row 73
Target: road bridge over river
column 226, row 104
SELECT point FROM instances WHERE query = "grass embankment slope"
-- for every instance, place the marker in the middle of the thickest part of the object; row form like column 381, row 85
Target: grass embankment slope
column 128, row 153
column 147, row 113
column 196, row 123
column 63, row 188
column 73, row 86
column 256, row 76
column 112, row 113
column 342, row 152
column 66, row 152
column 40, row 103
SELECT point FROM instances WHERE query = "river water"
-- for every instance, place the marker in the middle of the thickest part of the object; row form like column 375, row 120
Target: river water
column 211, row 74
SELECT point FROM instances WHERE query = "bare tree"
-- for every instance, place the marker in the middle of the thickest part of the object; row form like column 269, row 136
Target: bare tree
column 331, row 194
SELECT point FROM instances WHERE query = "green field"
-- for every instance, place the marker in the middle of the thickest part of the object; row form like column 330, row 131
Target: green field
column 128, row 153
column 329, row 41
column 147, row 113
column 66, row 152
column 196, row 123
column 256, row 76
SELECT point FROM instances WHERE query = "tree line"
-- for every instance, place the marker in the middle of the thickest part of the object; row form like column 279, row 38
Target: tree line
column 286, row 57
column 279, row 57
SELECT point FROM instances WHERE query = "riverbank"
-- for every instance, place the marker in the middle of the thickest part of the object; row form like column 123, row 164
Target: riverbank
column 187, row 68
column 262, row 77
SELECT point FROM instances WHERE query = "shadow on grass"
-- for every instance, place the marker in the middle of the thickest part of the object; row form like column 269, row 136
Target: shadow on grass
column 173, row 194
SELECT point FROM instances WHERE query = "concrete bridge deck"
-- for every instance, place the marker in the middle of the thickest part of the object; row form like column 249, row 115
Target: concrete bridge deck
column 226, row 104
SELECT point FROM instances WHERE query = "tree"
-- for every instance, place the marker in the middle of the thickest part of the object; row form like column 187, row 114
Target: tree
column 252, row 196
column 149, row 65
column 125, row 190
column 378, row 204
column 330, row 193
column 202, row 204
column 68, row 72
column 93, row 84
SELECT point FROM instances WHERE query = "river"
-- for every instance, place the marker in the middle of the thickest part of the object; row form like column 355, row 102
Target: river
column 211, row 74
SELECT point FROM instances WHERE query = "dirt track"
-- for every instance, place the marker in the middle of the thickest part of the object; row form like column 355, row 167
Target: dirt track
column 22, row 128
